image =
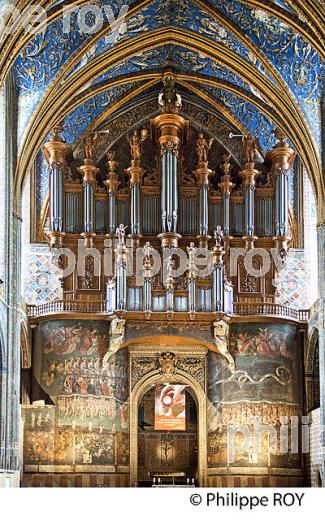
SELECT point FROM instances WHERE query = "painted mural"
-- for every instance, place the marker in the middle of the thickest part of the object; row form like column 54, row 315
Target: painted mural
column 262, row 389
column 266, row 356
column 87, row 423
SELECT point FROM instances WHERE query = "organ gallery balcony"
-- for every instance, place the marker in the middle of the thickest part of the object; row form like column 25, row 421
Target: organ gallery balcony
column 101, row 309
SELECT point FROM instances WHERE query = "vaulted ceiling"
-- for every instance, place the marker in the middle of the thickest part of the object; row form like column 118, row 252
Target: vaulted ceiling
column 251, row 65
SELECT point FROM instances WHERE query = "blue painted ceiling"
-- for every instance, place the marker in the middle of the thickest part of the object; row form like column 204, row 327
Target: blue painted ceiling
column 270, row 46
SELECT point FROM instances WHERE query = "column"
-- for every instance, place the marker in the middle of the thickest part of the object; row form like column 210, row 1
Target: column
column 11, row 311
column 120, row 270
column 112, row 183
column 218, row 272
column 249, row 174
column 169, row 128
column 89, row 171
column 191, row 280
column 170, row 285
column 147, row 288
column 321, row 323
column 135, row 173
column 226, row 186
column 55, row 152
column 282, row 158
column 202, row 174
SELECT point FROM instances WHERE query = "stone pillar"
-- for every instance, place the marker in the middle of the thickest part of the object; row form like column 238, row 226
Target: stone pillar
column 112, row 183
column 89, row 172
column 11, row 313
column 321, row 329
column 282, row 158
column 55, row 152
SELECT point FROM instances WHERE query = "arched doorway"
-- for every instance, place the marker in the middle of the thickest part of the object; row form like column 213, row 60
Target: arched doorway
column 167, row 444
column 145, row 385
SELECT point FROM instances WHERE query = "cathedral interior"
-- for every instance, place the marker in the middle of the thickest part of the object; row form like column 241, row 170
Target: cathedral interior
column 162, row 249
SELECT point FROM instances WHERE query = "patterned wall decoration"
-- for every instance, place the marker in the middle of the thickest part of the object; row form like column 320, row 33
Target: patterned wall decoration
column 265, row 384
column 41, row 283
column 42, row 182
column 180, row 59
column 87, row 424
column 76, row 122
column 295, row 59
column 257, row 123
column 292, row 282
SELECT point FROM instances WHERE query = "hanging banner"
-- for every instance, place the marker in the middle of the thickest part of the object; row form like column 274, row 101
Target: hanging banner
column 170, row 407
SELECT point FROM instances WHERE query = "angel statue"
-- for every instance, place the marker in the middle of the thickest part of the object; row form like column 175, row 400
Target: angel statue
column 218, row 236
column 202, row 148
column 249, row 145
column 191, row 250
column 120, row 233
column 90, row 146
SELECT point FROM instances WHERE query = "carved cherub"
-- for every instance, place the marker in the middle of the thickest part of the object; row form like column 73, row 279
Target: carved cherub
column 249, row 145
column 203, row 147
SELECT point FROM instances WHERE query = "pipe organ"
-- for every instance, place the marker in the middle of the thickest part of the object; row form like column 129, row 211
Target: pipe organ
column 168, row 211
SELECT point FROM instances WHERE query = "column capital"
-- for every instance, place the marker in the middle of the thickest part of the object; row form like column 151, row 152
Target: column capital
column 55, row 150
column 135, row 173
column 112, row 183
column 202, row 174
column 249, row 175
column 88, row 171
column 282, row 155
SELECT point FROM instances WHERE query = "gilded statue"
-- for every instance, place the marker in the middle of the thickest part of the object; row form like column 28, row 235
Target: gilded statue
column 225, row 165
column 202, row 148
column 220, row 338
column 90, row 146
column 168, row 362
column 169, row 98
column 111, row 162
column 249, row 145
column 135, row 146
